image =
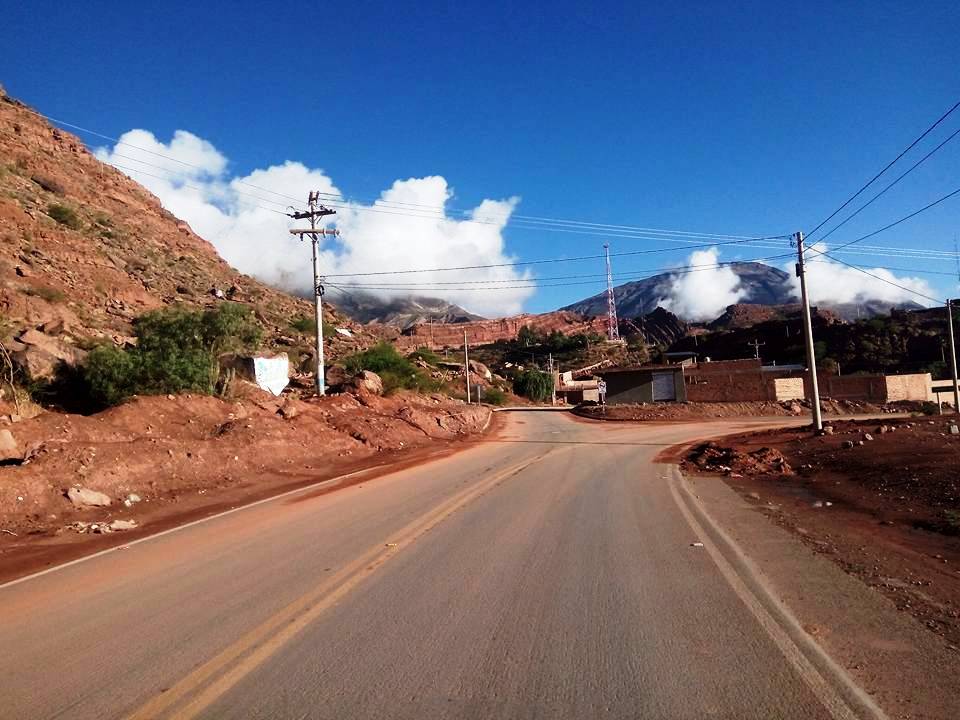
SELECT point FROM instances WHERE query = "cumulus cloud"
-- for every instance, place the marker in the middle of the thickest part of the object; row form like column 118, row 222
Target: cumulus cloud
column 703, row 294
column 246, row 226
column 834, row 283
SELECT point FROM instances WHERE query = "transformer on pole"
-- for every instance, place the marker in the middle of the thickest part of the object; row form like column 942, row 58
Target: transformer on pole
column 613, row 329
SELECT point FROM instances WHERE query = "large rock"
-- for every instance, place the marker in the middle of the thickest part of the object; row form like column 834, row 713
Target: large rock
column 336, row 377
column 84, row 497
column 42, row 353
column 480, row 369
column 369, row 382
column 9, row 448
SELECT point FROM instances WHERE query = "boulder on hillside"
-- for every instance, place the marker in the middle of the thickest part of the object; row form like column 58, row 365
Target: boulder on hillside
column 42, row 353
column 480, row 369
column 336, row 378
column 368, row 382
column 9, row 448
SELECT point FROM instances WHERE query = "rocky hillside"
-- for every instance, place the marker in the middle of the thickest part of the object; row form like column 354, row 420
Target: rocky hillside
column 480, row 332
column 766, row 285
column 660, row 327
column 399, row 312
column 85, row 250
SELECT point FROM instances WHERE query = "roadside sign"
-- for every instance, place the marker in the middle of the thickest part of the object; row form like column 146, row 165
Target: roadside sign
column 602, row 390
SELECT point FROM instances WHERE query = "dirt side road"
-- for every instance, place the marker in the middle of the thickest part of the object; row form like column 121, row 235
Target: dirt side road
column 552, row 572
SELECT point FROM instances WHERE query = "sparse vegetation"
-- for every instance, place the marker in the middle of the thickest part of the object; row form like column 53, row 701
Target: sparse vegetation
column 65, row 215
column 426, row 355
column 394, row 369
column 304, row 325
column 51, row 295
column 177, row 350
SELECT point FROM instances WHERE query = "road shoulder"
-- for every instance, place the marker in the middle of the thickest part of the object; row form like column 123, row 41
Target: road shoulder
column 887, row 653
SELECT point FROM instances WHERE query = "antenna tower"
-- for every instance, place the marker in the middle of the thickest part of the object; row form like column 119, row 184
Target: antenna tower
column 613, row 330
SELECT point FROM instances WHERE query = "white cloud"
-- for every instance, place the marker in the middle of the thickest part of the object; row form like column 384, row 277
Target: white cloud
column 237, row 219
column 833, row 282
column 703, row 294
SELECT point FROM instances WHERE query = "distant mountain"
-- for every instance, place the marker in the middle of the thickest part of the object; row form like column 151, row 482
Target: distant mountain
column 765, row 285
column 400, row 312
column 868, row 308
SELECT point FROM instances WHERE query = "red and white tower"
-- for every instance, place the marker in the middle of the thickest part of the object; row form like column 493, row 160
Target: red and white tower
column 613, row 329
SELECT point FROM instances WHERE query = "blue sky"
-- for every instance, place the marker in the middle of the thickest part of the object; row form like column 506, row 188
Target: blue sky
column 742, row 118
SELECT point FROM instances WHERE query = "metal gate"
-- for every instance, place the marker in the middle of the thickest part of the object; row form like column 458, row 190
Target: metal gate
column 663, row 387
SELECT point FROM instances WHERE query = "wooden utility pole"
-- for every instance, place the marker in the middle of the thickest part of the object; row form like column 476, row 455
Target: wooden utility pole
column 315, row 212
column 808, row 333
column 756, row 345
column 953, row 358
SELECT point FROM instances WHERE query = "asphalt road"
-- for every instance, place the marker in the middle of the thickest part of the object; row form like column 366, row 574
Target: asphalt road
column 549, row 573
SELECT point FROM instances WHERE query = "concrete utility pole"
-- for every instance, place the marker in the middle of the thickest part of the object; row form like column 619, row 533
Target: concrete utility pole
column 953, row 358
column 315, row 212
column 553, row 382
column 466, row 365
column 756, row 345
column 808, row 332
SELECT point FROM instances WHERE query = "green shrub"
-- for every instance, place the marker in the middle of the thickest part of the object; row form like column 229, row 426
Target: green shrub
column 64, row 215
column 110, row 375
column 426, row 354
column 177, row 350
column 533, row 384
column 494, row 396
column 394, row 369
column 305, row 325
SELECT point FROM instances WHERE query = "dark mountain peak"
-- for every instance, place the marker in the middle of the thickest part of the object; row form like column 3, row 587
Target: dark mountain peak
column 765, row 285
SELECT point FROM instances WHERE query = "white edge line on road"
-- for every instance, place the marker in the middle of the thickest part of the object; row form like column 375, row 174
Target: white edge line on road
column 177, row 528
column 804, row 653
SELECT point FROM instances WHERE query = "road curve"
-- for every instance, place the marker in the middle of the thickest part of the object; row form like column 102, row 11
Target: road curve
column 549, row 573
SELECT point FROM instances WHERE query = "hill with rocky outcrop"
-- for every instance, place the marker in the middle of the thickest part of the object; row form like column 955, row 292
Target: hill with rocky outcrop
column 399, row 312
column 85, row 250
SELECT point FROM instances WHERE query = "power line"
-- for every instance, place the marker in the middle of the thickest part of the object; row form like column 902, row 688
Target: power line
column 343, row 201
column 887, row 167
column 894, row 269
column 526, row 262
column 879, row 194
column 536, row 282
column 185, row 184
column 875, row 276
column 897, row 222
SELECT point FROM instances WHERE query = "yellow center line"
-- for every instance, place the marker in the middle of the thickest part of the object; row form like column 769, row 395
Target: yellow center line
column 256, row 646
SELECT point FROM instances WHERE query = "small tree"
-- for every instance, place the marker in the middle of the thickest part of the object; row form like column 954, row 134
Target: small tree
column 177, row 350
column 533, row 384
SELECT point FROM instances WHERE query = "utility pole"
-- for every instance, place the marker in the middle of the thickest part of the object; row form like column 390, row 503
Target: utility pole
column 466, row 365
column 756, row 345
column 553, row 382
column 808, row 332
column 613, row 327
column 315, row 212
column 953, row 358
